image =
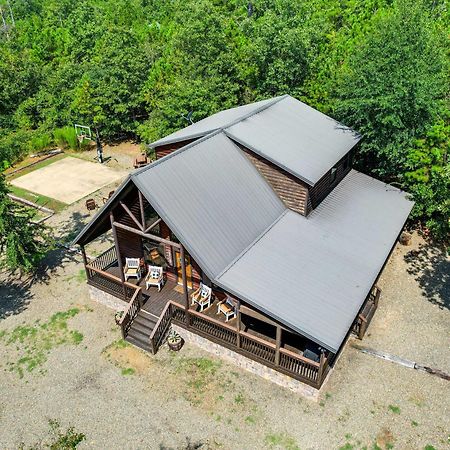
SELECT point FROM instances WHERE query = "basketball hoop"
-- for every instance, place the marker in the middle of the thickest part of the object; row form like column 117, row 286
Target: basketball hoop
column 83, row 132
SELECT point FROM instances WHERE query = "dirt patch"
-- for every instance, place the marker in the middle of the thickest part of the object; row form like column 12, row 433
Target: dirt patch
column 128, row 358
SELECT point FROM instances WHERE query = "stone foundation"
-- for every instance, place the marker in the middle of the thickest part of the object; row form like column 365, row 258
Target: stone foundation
column 248, row 364
column 106, row 299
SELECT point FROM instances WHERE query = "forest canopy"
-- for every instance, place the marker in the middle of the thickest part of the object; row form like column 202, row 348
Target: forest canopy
column 136, row 68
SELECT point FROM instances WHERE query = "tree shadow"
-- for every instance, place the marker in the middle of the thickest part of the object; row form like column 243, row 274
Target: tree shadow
column 16, row 290
column 15, row 296
column 430, row 266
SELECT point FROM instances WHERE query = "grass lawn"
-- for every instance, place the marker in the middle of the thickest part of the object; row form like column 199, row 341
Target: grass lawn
column 41, row 200
column 37, row 166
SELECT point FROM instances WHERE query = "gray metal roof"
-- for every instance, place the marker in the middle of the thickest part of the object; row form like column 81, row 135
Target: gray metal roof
column 313, row 274
column 212, row 198
column 296, row 137
column 213, row 123
column 285, row 131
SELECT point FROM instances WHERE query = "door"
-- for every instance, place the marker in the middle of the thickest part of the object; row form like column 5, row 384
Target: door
column 188, row 270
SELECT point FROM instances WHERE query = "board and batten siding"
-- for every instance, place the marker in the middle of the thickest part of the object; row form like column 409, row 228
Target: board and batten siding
column 292, row 191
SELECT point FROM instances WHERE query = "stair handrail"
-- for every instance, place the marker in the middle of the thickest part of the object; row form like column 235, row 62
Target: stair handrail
column 155, row 345
column 128, row 315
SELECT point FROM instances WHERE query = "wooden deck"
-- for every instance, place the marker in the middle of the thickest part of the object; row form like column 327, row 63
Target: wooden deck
column 154, row 301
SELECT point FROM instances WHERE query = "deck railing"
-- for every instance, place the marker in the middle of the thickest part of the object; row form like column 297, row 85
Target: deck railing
column 107, row 259
column 131, row 312
column 161, row 327
column 109, row 283
column 290, row 363
column 370, row 306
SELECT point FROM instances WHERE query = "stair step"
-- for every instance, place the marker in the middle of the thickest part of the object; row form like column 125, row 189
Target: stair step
column 138, row 343
column 144, row 329
column 138, row 334
column 148, row 322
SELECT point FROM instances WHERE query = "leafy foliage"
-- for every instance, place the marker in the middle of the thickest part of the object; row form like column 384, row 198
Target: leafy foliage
column 135, row 69
column 22, row 243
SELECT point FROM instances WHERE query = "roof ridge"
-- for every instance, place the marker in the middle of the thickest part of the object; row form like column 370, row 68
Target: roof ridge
column 256, row 111
column 271, row 102
column 246, row 249
column 177, row 152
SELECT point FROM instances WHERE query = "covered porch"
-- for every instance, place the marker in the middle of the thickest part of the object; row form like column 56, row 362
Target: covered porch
column 249, row 332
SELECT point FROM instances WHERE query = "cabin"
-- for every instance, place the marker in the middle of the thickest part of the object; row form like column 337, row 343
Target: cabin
column 251, row 233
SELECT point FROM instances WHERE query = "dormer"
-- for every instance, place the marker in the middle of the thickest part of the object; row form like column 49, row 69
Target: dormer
column 302, row 153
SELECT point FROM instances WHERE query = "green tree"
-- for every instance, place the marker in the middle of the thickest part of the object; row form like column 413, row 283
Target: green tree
column 22, row 243
column 392, row 86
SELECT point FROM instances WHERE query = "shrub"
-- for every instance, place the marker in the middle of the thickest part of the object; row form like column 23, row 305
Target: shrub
column 66, row 137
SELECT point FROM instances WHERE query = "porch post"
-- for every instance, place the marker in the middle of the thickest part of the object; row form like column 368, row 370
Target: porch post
column 238, row 323
column 185, row 287
column 321, row 368
column 119, row 258
column 278, row 345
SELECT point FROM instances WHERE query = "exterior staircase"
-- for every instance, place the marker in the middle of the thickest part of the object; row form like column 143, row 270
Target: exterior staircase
column 140, row 330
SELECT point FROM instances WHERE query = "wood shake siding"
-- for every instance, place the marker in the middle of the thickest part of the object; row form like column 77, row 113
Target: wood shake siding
column 164, row 150
column 324, row 186
column 293, row 192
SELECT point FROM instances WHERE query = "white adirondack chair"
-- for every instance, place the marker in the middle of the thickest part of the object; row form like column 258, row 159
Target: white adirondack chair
column 132, row 268
column 155, row 277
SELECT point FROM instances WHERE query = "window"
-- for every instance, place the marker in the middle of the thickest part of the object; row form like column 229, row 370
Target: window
column 333, row 175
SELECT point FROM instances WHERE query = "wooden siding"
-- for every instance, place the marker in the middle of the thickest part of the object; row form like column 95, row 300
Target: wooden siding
column 324, row 186
column 130, row 244
column 164, row 150
column 292, row 191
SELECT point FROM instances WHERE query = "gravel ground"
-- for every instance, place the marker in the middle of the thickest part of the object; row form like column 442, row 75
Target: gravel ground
column 121, row 398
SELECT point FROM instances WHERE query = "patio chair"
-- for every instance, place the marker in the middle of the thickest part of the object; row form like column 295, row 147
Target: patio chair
column 105, row 199
column 202, row 296
column 155, row 277
column 140, row 161
column 227, row 308
column 132, row 268
column 91, row 204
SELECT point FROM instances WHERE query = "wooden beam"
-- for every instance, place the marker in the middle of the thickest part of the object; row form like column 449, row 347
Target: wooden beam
column 278, row 345
column 119, row 258
column 252, row 313
column 152, row 225
column 146, row 235
column 185, row 288
column 141, row 206
column 125, row 207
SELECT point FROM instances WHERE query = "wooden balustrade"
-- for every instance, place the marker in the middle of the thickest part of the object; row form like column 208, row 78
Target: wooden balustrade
column 301, row 366
column 367, row 312
column 105, row 260
column 110, row 283
column 290, row 363
column 131, row 312
column 258, row 347
column 161, row 327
